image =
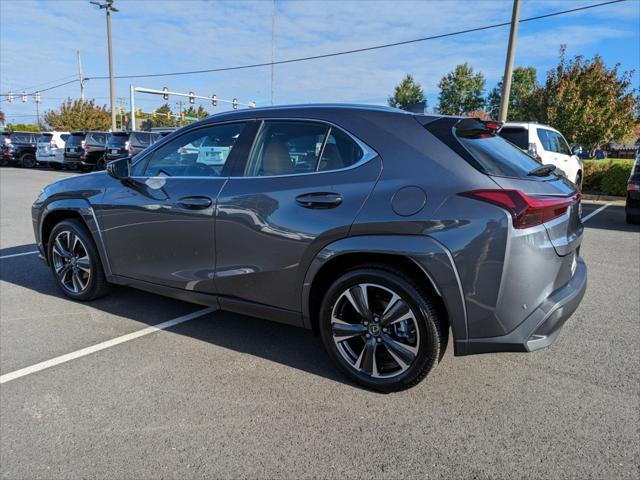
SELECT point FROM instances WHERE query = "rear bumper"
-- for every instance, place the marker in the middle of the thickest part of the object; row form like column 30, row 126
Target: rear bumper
column 541, row 328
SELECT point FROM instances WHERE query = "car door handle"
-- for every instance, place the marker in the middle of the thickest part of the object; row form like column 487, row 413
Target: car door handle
column 194, row 203
column 319, row 200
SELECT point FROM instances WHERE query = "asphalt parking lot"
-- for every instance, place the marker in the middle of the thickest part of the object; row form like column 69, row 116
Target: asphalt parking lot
column 227, row 396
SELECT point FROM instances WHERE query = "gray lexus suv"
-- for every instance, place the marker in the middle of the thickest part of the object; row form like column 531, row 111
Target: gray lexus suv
column 381, row 230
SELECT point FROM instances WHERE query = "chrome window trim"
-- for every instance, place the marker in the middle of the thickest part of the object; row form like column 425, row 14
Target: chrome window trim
column 368, row 153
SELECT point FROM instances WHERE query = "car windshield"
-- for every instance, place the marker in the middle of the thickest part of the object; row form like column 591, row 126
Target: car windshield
column 20, row 137
column 45, row 137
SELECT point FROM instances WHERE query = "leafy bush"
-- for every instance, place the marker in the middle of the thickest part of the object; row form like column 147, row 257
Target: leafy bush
column 615, row 179
column 607, row 177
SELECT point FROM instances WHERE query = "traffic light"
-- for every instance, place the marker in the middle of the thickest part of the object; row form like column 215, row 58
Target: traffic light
column 214, row 100
column 182, row 117
column 138, row 112
column 235, row 103
column 10, row 97
column 153, row 114
column 23, row 97
column 192, row 98
column 165, row 95
column 120, row 110
column 169, row 115
column 37, row 97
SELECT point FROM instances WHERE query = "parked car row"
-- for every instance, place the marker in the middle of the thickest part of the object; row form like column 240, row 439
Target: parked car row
column 83, row 150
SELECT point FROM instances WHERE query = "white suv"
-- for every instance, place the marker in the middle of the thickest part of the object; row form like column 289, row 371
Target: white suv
column 50, row 148
column 547, row 145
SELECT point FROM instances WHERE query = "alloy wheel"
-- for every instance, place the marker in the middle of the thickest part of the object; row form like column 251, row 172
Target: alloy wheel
column 71, row 262
column 375, row 330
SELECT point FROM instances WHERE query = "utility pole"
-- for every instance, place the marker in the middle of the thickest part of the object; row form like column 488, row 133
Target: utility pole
column 180, row 116
column 108, row 7
column 273, row 47
column 80, row 74
column 37, row 99
column 508, row 66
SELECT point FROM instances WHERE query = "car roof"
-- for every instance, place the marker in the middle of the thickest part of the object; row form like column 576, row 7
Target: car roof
column 296, row 109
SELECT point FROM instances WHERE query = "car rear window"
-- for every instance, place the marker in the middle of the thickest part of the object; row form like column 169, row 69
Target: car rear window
column 499, row 157
column 74, row 140
column 518, row 136
column 96, row 138
column 45, row 137
column 117, row 139
column 140, row 139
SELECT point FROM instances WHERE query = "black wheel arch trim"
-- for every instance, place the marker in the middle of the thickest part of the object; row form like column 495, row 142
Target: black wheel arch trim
column 431, row 257
column 82, row 208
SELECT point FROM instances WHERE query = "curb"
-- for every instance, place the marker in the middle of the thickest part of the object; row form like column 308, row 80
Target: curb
column 604, row 198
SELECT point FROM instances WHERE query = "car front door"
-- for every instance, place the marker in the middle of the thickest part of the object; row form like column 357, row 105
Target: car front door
column 159, row 225
column 300, row 189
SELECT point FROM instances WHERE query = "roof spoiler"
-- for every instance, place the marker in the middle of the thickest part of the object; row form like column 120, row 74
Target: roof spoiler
column 476, row 128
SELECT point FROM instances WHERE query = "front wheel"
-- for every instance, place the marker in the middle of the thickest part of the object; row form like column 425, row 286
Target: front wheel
column 380, row 329
column 75, row 263
column 101, row 164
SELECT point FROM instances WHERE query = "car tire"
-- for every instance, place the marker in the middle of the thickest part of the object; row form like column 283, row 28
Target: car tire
column 85, row 169
column 632, row 219
column 389, row 347
column 75, row 263
column 27, row 160
column 101, row 164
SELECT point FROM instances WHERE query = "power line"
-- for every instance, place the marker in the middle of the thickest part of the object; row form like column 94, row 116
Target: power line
column 44, row 83
column 39, row 91
column 359, row 50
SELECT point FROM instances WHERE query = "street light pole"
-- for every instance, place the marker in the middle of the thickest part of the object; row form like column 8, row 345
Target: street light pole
column 108, row 6
column 508, row 67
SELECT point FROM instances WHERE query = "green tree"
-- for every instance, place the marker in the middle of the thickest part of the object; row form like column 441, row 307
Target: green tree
column 1, row 117
column 523, row 84
column 461, row 91
column 160, row 119
column 586, row 101
column 198, row 113
column 79, row 115
column 24, row 127
column 408, row 92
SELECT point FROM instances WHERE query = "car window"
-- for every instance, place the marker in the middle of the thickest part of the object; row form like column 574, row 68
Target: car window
column 518, row 136
column 286, row 147
column 45, row 137
column 339, row 151
column 117, row 139
column 97, row 138
column 560, row 144
column 198, row 153
column 75, row 140
column 20, row 138
column 64, row 137
column 545, row 139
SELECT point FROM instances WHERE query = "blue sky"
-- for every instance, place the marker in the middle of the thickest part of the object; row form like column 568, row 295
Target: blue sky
column 39, row 39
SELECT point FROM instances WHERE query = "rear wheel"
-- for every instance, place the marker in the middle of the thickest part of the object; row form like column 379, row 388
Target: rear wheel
column 27, row 160
column 101, row 163
column 75, row 263
column 380, row 329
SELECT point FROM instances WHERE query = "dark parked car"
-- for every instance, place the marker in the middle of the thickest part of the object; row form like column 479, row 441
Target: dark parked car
column 381, row 230
column 74, row 149
column 19, row 148
column 632, row 205
column 123, row 144
column 94, row 150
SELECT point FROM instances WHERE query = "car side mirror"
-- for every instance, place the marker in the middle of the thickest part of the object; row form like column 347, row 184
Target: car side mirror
column 576, row 150
column 120, row 168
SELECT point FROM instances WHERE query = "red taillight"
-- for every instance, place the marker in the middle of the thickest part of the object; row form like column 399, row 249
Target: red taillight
column 526, row 210
column 633, row 186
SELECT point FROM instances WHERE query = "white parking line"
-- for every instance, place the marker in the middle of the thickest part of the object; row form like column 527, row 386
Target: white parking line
column 19, row 254
column 595, row 212
column 7, row 377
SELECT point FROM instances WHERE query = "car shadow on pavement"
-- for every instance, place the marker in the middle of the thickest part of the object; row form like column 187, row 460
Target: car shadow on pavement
column 294, row 347
column 611, row 218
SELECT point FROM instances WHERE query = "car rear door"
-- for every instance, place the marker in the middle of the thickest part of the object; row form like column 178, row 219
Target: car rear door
column 301, row 188
column 159, row 225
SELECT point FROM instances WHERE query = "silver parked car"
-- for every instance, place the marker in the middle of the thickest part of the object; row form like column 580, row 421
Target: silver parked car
column 381, row 230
